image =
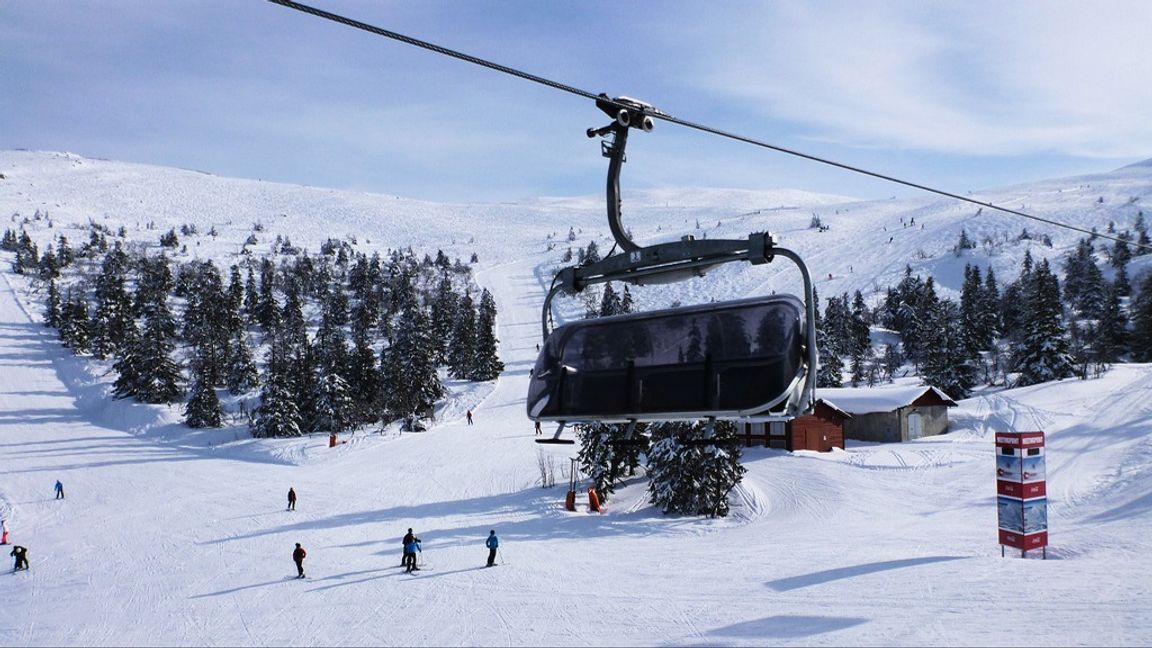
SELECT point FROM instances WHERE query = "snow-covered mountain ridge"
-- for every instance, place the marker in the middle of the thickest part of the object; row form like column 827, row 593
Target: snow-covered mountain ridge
column 866, row 246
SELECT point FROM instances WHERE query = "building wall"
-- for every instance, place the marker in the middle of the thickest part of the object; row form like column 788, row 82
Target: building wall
column 815, row 433
column 892, row 427
column 933, row 420
column 876, row 426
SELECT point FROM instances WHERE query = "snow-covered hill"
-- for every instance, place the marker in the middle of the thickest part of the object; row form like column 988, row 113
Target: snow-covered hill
column 181, row 539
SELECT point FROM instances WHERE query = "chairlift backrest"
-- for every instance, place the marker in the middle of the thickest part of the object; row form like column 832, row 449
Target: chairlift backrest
column 726, row 359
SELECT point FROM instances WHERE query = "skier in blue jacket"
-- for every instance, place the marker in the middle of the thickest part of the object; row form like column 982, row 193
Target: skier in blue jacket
column 410, row 550
column 492, row 543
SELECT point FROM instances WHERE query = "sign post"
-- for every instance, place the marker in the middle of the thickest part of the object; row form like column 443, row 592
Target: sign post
column 1021, row 491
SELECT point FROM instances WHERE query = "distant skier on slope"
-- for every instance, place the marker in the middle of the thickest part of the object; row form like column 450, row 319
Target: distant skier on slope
column 291, row 499
column 410, row 550
column 409, row 538
column 493, row 543
column 469, row 417
column 59, row 490
column 21, row 555
column 298, row 557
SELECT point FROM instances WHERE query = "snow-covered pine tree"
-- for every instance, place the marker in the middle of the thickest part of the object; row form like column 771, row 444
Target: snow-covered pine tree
column 278, row 415
column 830, row 373
column 442, row 315
column 1141, row 336
column 949, row 363
column 1111, row 340
column 75, row 331
column 691, row 478
column 333, row 409
column 604, row 462
column 129, row 366
column 240, row 374
column 267, row 310
column 363, row 378
column 408, row 371
column 1043, row 352
column 1142, row 241
column 207, row 318
column 203, row 407
column 626, row 303
column 486, row 364
column 52, row 305
column 251, row 296
column 462, row 348
column 610, row 303
column 64, row 253
column 113, row 310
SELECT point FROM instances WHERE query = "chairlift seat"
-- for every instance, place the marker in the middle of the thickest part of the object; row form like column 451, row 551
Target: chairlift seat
column 724, row 360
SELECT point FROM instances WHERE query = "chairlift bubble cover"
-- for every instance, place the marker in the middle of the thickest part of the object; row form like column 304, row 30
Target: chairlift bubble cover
column 725, row 359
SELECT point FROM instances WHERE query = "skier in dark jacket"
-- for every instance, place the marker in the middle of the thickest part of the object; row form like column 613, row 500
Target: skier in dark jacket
column 493, row 543
column 59, row 490
column 469, row 417
column 298, row 556
column 21, row 555
column 291, row 499
column 411, row 544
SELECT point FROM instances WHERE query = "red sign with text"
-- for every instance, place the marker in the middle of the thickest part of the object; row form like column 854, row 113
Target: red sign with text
column 1021, row 490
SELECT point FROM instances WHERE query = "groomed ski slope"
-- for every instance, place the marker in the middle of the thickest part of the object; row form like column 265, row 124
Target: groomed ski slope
column 160, row 543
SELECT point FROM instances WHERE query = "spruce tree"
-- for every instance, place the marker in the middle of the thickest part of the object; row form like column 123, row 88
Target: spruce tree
column 203, row 407
column 1141, row 336
column 363, row 379
column 604, row 461
column 113, row 311
column 462, row 349
column 334, row 409
column 1111, row 339
column 687, row 474
column 949, row 362
column 486, row 364
column 408, row 371
column 240, row 375
column 442, row 315
column 52, row 306
column 278, row 415
column 1043, row 352
column 610, row 303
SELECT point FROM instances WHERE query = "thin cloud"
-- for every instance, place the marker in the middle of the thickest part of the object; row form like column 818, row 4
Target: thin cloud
column 977, row 79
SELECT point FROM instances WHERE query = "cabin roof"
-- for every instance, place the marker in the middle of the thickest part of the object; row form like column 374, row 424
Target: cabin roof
column 864, row 400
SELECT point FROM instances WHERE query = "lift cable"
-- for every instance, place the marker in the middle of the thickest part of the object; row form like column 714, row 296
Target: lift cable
column 658, row 114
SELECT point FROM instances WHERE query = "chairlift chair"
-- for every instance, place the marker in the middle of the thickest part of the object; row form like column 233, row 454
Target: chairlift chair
column 724, row 360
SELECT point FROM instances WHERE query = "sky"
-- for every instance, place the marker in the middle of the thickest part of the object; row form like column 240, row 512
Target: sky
column 959, row 96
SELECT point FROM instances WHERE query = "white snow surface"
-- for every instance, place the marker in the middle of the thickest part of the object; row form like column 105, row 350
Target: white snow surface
column 174, row 537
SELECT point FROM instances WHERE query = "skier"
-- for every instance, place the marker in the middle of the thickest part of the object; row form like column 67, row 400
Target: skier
column 409, row 539
column 291, row 499
column 21, row 555
column 59, row 490
column 492, row 543
column 410, row 550
column 469, row 417
column 538, row 431
column 3, row 532
column 298, row 556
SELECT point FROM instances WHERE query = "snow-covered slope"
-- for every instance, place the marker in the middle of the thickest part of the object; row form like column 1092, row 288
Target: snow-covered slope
column 182, row 540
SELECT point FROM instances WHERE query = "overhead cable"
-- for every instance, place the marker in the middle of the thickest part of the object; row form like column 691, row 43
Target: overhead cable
column 659, row 114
